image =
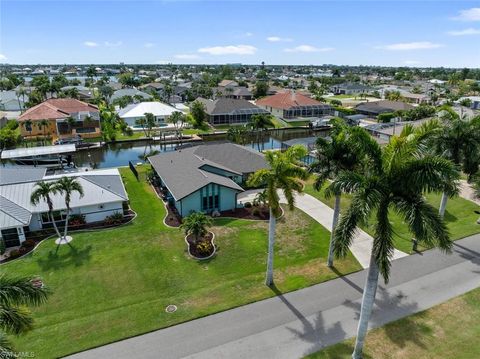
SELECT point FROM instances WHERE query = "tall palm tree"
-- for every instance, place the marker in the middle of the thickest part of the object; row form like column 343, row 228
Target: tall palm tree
column 459, row 141
column 283, row 174
column 399, row 184
column 346, row 151
column 259, row 123
column 67, row 186
column 70, row 123
column 15, row 318
column 42, row 126
column 42, row 192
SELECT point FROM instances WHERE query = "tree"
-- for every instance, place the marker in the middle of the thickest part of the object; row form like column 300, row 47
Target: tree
column 178, row 119
column 458, row 141
column 21, row 92
column 237, row 134
column 28, row 125
column 197, row 224
column 261, row 89
column 199, row 114
column 106, row 92
column 345, row 151
column 67, row 186
column 15, row 294
column 406, row 172
column 283, row 174
column 42, row 192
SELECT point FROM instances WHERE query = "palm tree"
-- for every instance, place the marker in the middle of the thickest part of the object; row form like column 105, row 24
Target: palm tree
column 177, row 119
column 15, row 318
column 345, row 151
column 67, row 186
column 70, row 123
column 42, row 126
column 459, row 141
column 21, row 92
column 42, row 192
column 259, row 123
column 399, row 184
column 283, row 174
column 196, row 223
column 28, row 125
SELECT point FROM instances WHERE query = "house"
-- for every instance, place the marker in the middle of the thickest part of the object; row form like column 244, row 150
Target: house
column 9, row 101
column 291, row 104
column 230, row 111
column 350, row 88
column 474, row 101
column 83, row 93
column 228, row 83
column 374, row 108
column 415, row 98
column 205, row 178
column 136, row 111
column 242, row 93
column 133, row 93
column 104, row 195
column 56, row 111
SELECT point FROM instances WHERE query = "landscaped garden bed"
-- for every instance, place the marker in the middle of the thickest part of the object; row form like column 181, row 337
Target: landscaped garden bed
column 253, row 212
column 201, row 248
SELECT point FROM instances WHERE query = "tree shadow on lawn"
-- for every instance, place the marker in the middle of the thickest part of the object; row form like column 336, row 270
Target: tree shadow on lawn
column 387, row 306
column 74, row 257
column 449, row 217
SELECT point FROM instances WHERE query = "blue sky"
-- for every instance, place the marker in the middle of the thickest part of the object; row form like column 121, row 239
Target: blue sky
column 415, row 33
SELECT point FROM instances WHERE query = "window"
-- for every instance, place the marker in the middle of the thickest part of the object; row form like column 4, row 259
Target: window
column 57, row 216
column 210, row 197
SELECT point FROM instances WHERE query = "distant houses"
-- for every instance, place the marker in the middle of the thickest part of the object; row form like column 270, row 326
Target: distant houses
column 351, row 88
column 51, row 118
column 134, row 112
column 131, row 92
column 228, row 111
column 291, row 104
column 205, row 178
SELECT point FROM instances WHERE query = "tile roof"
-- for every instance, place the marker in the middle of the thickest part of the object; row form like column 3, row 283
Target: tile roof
column 288, row 99
column 56, row 108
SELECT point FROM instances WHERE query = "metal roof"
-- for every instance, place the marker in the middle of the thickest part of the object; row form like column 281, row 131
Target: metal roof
column 37, row 151
column 9, row 175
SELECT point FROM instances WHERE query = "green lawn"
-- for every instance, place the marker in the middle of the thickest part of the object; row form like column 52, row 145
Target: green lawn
column 117, row 283
column 460, row 217
column 447, row 331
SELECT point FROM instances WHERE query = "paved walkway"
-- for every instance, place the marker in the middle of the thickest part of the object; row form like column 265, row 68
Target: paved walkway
column 323, row 214
column 466, row 191
column 301, row 322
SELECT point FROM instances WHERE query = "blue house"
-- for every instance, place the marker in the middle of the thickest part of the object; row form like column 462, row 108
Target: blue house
column 205, row 178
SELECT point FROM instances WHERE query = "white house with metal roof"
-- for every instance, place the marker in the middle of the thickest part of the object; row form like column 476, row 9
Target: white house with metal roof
column 104, row 195
column 205, row 178
column 136, row 111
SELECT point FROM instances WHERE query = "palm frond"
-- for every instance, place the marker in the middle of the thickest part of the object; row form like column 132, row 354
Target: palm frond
column 383, row 241
column 15, row 320
column 21, row 291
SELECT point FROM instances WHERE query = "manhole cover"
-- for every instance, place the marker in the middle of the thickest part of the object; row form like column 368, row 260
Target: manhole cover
column 171, row 308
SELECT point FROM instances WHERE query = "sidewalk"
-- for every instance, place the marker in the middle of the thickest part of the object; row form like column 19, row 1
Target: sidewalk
column 466, row 191
column 323, row 214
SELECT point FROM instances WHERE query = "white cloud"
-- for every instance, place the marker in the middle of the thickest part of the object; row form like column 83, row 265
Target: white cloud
column 278, row 39
column 248, row 34
column 229, row 50
column 113, row 44
column 309, row 48
column 3, row 57
column 90, row 44
column 412, row 62
column 469, row 31
column 472, row 14
column 406, row 46
column 149, row 45
column 187, row 56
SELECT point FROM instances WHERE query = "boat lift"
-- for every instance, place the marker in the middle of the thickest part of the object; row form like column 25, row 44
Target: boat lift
column 43, row 156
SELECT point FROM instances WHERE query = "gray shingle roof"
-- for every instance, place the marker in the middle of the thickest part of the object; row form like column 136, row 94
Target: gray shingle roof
column 230, row 106
column 182, row 173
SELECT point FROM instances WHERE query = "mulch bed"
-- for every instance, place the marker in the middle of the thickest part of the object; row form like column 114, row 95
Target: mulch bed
column 257, row 213
column 193, row 248
column 172, row 219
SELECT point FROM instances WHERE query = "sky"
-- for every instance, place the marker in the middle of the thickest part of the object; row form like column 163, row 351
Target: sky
column 388, row 33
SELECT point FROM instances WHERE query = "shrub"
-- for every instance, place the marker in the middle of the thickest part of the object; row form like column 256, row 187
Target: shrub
column 256, row 212
column 247, row 205
column 14, row 253
column 115, row 218
column 77, row 220
column 29, row 243
column 204, row 247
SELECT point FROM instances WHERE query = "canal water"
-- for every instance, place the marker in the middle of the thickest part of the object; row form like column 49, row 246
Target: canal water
column 120, row 153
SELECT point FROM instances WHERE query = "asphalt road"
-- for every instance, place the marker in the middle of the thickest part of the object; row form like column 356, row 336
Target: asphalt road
column 301, row 322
